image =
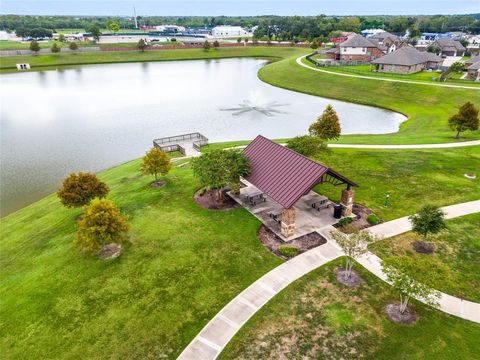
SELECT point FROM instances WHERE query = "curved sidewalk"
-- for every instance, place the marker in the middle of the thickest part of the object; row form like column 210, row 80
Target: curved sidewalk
column 299, row 62
column 213, row 338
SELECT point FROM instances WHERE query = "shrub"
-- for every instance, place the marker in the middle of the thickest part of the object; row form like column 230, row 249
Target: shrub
column 173, row 39
column 73, row 46
column 34, row 46
column 373, row 219
column 306, row 145
column 216, row 44
column 55, row 48
column 102, row 224
column 345, row 221
column 287, row 250
column 79, row 189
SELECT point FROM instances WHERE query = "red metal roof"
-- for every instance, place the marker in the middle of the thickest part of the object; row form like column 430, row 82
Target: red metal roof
column 281, row 173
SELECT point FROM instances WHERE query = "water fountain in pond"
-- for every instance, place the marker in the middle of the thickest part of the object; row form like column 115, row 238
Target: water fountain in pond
column 256, row 104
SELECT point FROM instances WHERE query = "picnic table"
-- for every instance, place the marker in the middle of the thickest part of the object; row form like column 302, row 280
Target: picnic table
column 254, row 197
column 275, row 215
column 320, row 203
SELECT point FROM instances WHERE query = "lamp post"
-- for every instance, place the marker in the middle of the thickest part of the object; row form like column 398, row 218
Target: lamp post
column 387, row 196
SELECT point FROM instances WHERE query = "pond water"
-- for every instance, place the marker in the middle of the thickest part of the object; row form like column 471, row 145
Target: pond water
column 92, row 117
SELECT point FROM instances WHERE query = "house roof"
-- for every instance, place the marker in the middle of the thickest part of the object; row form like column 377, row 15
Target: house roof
column 475, row 66
column 357, row 41
column 334, row 50
column 383, row 35
column 473, row 60
column 451, row 44
column 285, row 175
column 407, row 56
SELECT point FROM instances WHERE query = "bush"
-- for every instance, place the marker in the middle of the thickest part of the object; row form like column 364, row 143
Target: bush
column 216, row 44
column 55, row 48
column 373, row 219
column 306, row 145
column 173, row 39
column 102, row 224
column 345, row 221
column 79, row 189
column 287, row 250
column 73, row 46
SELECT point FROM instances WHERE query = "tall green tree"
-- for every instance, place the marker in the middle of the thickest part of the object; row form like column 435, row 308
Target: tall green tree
column 206, row 45
column 61, row 37
column 327, row 125
column 79, row 189
column 34, row 46
column 465, row 119
column 141, row 45
column 220, row 168
column 113, row 26
column 95, row 31
column 156, row 162
column 101, row 224
column 429, row 220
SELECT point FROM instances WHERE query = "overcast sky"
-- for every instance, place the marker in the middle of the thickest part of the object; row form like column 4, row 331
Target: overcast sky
column 237, row 7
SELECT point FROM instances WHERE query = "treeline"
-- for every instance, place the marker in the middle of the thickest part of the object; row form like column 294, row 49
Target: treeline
column 285, row 27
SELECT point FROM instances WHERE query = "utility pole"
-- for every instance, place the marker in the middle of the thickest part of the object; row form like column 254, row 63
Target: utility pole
column 135, row 17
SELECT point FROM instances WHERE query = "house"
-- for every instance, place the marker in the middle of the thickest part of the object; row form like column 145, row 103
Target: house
column 358, row 48
column 449, row 47
column 473, row 71
column 229, row 31
column 407, row 60
column 370, row 32
column 472, row 61
column 387, row 42
column 333, row 53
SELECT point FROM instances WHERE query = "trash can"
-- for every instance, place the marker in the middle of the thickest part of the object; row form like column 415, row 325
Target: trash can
column 337, row 211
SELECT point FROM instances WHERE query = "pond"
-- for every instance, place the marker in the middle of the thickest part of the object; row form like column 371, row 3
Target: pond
column 92, row 117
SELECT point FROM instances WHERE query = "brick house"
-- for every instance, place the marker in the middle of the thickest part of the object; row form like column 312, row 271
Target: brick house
column 358, row 48
column 406, row 60
column 473, row 71
column 387, row 42
column 472, row 61
column 449, row 47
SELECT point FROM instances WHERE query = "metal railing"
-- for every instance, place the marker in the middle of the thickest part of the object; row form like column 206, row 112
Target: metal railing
column 177, row 138
column 171, row 143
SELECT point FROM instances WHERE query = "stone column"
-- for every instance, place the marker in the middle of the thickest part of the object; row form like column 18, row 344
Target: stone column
column 347, row 201
column 288, row 222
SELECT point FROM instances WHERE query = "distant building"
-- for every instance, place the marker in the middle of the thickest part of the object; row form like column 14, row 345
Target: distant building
column 370, row 32
column 387, row 42
column 229, row 31
column 358, row 48
column 170, row 28
column 407, row 60
column 449, row 47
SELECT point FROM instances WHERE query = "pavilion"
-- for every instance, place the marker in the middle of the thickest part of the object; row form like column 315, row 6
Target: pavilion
column 286, row 176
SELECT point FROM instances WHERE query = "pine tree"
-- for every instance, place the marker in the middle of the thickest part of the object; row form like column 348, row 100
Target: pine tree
column 327, row 126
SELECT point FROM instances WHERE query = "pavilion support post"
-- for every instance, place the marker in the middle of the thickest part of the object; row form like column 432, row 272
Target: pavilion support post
column 288, row 222
column 347, row 201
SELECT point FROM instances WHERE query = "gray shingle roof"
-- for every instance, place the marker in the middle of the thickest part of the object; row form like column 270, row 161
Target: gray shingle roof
column 407, row 56
column 475, row 66
column 383, row 35
column 449, row 44
column 473, row 60
column 358, row 41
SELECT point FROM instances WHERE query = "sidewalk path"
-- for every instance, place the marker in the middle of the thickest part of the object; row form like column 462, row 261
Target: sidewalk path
column 212, row 339
column 299, row 62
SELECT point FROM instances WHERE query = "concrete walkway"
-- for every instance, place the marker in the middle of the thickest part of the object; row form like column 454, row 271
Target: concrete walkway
column 299, row 62
column 212, row 339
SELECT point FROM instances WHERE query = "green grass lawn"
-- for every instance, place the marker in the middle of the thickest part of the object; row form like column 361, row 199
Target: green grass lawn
column 457, row 247
column 318, row 318
column 53, row 60
column 427, row 107
column 183, row 265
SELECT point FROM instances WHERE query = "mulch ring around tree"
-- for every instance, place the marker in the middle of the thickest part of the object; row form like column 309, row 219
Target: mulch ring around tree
column 158, row 184
column 408, row 317
column 303, row 243
column 423, row 247
column 351, row 281
column 110, row 251
column 207, row 199
column 360, row 222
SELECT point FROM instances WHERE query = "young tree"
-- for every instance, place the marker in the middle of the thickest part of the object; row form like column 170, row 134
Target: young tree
column 219, row 168
column 206, row 45
column 55, row 48
column 353, row 245
column 465, row 119
column 457, row 67
column 61, row 37
column 307, row 145
column 101, row 224
column 79, row 189
column 396, row 270
column 95, row 31
column 429, row 219
column 156, row 162
column 113, row 26
column 141, row 45
column 327, row 125
column 216, row 44
column 34, row 46
column 239, row 40
column 73, row 46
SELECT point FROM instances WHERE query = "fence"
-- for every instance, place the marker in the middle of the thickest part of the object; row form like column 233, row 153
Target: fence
column 171, row 143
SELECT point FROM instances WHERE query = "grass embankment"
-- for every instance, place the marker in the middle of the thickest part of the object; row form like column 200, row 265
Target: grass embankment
column 456, row 258
column 316, row 317
column 427, row 107
column 184, row 264
column 38, row 62
column 17, row 45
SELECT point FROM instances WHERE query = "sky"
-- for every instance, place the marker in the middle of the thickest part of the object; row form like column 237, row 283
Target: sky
column 239, row 8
